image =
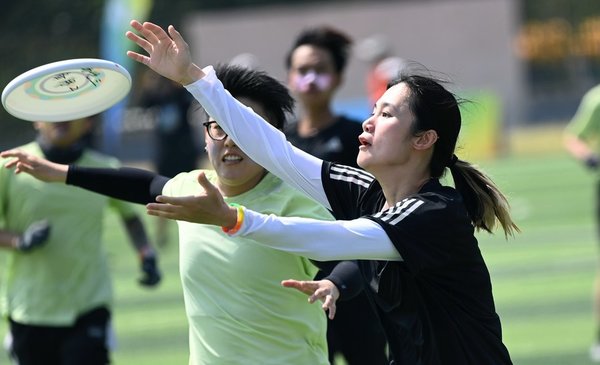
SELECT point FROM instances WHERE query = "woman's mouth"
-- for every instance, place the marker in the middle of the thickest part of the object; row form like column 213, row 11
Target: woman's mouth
column 363, row 142
column 232, row 158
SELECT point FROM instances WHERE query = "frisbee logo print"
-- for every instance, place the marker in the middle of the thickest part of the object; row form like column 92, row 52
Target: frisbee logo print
column 66, row 90
column 65, row 84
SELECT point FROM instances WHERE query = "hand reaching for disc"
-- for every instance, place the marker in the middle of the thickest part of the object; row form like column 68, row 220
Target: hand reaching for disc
column 37, row 167
column 168, row 53
column 206, row 208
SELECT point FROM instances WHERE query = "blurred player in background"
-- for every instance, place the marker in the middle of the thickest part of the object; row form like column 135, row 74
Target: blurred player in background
column 57, row 291
column 315, row 65
column 384, row 66
column 581, row 140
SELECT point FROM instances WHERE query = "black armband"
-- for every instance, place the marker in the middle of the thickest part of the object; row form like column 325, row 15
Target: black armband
column 126, row 183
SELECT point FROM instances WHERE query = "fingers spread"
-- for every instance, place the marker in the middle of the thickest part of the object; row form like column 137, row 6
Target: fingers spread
column 11, row 163
column 329, row 306
column 291, row 283
column 140, row 41
column 154, row 33
column 162, row 207
column 177, row 38
column 138, row 57
column 206, row 185
column 172, row 200
column 13, row 153
column 318, row 294
column 21, row 166
column 162, row 210
column 136, row 25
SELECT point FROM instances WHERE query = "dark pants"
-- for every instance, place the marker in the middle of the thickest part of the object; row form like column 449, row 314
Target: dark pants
column 356, row 333
column 83, row 343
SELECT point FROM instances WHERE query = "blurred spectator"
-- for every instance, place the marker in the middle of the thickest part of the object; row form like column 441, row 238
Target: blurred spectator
column 384, row 67
column 57, row 291
column 581, row 141
column 315, row 65
column 175, row 143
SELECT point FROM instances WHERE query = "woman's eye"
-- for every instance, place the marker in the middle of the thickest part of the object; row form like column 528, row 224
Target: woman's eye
column 386, row 115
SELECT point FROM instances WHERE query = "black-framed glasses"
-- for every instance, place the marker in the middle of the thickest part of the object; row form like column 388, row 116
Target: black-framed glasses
column 215, row 132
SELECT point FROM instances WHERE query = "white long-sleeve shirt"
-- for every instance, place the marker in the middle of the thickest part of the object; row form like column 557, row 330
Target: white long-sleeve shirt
column 354, row 239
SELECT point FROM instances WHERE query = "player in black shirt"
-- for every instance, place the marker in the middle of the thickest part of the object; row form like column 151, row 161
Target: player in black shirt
column 426, row 264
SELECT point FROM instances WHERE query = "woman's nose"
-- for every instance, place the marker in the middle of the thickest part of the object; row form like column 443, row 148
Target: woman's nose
column 367, row 125
column 228, row 141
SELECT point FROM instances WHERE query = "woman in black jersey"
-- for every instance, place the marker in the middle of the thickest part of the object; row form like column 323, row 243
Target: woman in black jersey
column 422, row 261
column 426, row 270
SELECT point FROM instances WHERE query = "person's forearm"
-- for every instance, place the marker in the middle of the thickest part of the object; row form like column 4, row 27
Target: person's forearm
column 129, row 184
column 320, row 240
column 258, row 139
column 345, row 275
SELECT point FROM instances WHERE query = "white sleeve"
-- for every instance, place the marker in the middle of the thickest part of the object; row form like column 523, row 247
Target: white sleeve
column 262, row 142
column 320, row 240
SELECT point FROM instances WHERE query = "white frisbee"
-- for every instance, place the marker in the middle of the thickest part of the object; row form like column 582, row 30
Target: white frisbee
column 66, row 90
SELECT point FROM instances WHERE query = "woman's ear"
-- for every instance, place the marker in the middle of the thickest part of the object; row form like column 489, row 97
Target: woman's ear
column 425, row 140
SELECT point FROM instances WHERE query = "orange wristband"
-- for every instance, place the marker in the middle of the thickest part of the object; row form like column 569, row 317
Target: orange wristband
column 238, row 222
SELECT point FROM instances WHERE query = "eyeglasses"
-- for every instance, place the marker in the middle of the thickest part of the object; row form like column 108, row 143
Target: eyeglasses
column 215, row 132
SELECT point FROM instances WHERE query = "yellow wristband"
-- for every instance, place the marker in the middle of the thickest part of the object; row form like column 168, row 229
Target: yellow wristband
column 238, row 222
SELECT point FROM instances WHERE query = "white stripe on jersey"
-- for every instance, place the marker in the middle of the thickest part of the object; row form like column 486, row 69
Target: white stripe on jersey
column 400, row 211
column 351, row 174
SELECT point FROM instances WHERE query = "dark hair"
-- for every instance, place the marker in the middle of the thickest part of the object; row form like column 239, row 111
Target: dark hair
column 435, row 108
column 325, row 37
column 258, row 87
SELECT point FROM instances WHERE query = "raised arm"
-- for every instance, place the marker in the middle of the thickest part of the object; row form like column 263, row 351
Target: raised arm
column 168, row 55
column 264, row 143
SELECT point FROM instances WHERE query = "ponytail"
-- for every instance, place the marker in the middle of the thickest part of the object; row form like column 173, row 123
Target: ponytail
column 435, row 108
column 486, row 205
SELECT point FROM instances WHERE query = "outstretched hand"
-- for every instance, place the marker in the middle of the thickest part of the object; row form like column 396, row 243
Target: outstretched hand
column 168, row 53
column 37, row 167
column 323, row 290
column 206, row 208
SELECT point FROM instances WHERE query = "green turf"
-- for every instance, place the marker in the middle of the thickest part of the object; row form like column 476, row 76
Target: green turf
column 542, row 279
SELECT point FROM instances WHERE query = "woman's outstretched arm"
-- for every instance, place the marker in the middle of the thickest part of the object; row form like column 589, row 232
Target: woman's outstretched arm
column 133, row 185
column 168, row 54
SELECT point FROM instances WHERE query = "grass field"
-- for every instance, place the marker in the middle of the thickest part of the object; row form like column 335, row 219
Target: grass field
column 542, row 278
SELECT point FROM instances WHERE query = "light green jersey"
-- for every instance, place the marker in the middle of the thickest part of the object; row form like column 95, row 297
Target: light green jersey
column 238, row 312
column 585, row 124
column 55, row 283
